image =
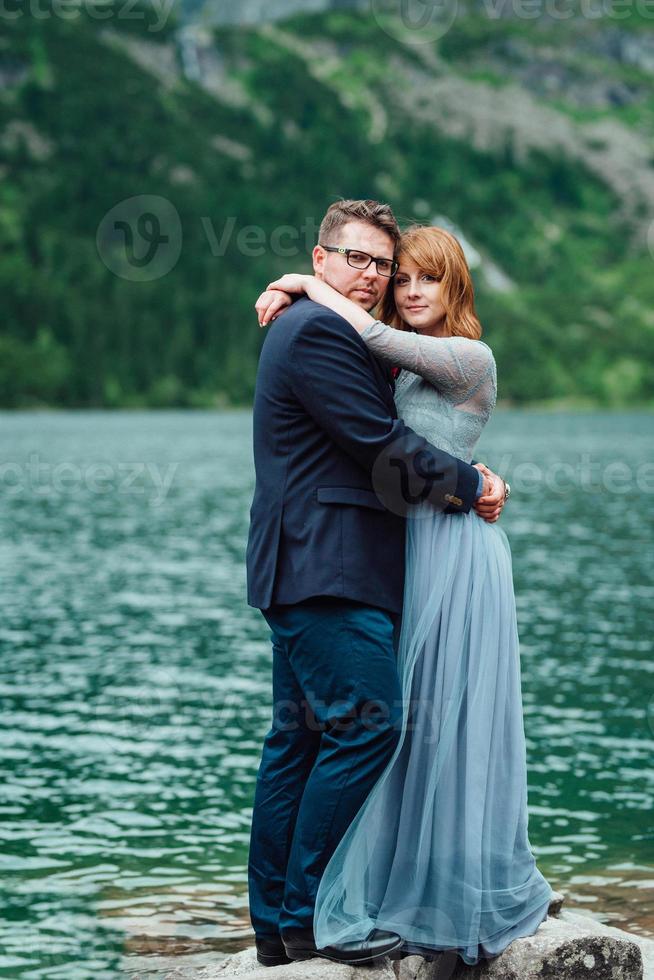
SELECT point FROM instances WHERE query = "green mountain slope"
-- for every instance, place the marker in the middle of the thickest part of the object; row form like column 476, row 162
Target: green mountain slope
column 234, row 140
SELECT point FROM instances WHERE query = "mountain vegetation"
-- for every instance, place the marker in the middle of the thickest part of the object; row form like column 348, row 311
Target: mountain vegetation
column 127, row 131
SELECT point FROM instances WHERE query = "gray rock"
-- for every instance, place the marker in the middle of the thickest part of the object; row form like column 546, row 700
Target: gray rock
column 556, row 904
column 566, row 947
column 245, row 964
column 645, row 945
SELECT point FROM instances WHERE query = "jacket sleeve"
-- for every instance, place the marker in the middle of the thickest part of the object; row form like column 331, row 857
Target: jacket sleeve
column 332, row 376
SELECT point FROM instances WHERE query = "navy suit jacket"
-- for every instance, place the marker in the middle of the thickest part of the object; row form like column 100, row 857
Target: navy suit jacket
column 336, row 471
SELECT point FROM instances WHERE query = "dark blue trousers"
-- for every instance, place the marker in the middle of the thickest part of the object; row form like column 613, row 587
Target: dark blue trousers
column 336, row 722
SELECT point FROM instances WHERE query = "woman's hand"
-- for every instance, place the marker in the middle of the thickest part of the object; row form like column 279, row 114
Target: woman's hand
column 271, row 304
column 279, row 296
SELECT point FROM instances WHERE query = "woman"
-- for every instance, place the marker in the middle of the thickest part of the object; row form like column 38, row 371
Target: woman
column 439, row 852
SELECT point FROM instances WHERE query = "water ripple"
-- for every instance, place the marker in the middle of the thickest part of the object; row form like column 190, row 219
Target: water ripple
column 135, row 686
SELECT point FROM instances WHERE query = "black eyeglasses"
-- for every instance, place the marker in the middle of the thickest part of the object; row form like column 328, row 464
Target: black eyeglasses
column 361, row 260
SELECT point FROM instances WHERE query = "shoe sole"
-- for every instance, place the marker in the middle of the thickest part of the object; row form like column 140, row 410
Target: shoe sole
column 299, row 955
column 272, row 960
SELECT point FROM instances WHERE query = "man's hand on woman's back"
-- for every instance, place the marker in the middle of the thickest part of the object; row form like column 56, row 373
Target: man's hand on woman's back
column 489, row 505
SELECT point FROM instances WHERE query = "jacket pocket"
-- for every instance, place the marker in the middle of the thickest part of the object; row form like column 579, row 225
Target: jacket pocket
column 357, row 496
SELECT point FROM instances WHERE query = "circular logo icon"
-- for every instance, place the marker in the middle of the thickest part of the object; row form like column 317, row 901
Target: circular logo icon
column 415, row 21
column 411, row 483
column 140, row 239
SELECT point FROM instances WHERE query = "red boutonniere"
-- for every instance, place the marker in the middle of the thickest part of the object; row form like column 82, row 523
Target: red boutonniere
column 394, row 372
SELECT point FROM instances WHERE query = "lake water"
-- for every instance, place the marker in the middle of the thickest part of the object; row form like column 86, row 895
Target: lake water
column 135, row 681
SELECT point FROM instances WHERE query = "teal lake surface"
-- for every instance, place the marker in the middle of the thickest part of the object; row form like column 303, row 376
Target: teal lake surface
column 135, row 681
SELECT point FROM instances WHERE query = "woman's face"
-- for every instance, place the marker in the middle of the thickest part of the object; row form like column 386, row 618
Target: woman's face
column 418, row 299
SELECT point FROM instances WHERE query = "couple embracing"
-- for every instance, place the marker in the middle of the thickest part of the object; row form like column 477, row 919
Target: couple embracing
column 390, row 814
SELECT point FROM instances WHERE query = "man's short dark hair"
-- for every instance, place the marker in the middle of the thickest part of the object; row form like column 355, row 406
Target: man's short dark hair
column 372, row 212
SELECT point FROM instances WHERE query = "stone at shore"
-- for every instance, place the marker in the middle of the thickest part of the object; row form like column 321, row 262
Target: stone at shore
column 245, row 964
column 567, row 946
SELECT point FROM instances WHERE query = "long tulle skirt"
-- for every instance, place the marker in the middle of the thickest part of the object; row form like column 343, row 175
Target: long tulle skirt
column 439, row 852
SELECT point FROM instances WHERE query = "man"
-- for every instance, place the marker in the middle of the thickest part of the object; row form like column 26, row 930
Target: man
column 336, row 471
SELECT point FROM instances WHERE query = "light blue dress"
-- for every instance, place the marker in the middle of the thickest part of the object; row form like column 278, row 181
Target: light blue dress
column 439, row 852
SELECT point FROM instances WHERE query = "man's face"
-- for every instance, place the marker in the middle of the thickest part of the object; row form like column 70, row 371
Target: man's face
column 365, row 287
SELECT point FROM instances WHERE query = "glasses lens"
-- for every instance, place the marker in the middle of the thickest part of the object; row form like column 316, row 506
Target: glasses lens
column 385, row 267
column 359, row 260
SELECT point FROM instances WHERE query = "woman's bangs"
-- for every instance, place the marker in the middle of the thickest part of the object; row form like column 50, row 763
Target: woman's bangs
column 424, row 253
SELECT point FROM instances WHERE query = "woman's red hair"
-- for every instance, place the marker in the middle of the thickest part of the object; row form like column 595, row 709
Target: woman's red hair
column 438, row 253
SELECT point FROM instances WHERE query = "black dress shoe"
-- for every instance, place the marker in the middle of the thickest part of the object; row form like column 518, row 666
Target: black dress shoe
column 399, row 954
column 271, row 952
column 300, row 945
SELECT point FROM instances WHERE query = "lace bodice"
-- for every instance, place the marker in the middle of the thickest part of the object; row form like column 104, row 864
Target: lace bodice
column 447, row 388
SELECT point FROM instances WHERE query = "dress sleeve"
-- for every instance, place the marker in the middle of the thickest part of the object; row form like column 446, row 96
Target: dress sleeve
column 463, row 370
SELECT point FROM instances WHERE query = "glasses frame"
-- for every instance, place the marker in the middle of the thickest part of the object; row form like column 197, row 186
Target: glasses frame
column 376, row 259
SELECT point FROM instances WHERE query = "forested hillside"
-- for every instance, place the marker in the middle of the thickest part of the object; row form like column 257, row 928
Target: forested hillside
column 532, row 137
